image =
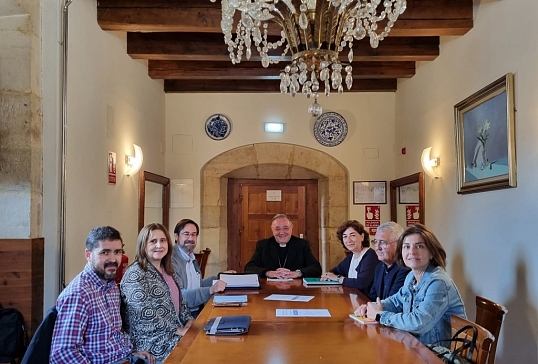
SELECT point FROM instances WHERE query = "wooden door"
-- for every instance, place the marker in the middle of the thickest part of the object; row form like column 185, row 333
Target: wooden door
column 251, row 209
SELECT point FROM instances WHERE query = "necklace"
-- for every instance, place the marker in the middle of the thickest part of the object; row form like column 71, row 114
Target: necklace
column 285, row 260
column 280, row 265
column 418, row 278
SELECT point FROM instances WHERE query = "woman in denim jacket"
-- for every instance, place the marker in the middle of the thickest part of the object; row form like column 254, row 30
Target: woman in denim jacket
column 428, row 297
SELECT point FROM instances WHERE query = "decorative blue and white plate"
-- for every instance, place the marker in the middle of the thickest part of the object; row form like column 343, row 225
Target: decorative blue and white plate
column 218, row 126
column 330, row 129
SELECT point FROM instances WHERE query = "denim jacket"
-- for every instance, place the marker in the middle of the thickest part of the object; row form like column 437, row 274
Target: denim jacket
column 425, row 310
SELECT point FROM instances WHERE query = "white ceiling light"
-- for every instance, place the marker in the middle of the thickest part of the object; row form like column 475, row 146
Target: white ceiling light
column 274, row 127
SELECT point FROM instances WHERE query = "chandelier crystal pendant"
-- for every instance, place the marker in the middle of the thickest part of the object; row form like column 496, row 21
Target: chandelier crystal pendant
column 313, row 31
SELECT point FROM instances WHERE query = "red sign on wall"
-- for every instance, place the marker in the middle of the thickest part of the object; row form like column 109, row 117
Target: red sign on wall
column 111, row 168
column 372, row 216
column 412, row 215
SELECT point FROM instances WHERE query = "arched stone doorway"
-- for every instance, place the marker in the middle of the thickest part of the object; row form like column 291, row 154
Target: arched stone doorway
column 273, row 161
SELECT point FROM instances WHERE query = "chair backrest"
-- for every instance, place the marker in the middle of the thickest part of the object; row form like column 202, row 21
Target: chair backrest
column 490, row 315
column 483, row 341
column 39, row 349
column 202, row 259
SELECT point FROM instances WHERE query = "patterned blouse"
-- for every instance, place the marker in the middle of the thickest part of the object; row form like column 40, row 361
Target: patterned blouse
column 150, row 316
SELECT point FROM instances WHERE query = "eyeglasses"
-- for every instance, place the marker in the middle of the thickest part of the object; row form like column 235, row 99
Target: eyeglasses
column 284, row 228
column 192, row 235
column 381, row 243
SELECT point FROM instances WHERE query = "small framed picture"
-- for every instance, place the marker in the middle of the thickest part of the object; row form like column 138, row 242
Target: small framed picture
column 369, row 192
column 409, row 193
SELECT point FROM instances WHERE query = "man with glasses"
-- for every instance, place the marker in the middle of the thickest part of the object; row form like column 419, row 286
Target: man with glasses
column 388, row 276
column 197, row 291
column 283, row 255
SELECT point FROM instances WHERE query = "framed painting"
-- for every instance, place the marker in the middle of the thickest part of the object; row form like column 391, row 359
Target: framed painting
column 409, row 194
column 485, row 138
column 369, row 192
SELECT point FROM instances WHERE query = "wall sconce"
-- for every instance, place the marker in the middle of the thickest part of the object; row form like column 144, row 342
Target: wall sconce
column 134, row 163
column 274, row 127
column 430, row 165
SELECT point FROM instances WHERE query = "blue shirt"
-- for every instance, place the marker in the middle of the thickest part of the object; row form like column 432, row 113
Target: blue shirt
column 387, row 280
column 424, row 310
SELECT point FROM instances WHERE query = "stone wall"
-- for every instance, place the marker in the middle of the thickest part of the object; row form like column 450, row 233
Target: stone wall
column 21, row 121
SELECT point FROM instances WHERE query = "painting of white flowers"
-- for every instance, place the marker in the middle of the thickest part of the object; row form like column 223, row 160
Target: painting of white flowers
column 485, row 139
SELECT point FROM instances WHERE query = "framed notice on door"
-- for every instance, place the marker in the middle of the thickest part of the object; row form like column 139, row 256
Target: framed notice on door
column 369, row 192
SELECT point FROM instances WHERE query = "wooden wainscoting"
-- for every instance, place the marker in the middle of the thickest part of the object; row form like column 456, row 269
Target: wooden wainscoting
column 21, row 278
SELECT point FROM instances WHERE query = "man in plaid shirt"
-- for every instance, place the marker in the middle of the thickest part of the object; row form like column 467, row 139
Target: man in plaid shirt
column 88, row 326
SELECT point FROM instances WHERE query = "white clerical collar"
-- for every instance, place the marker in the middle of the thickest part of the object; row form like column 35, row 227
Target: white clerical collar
column 283, row 245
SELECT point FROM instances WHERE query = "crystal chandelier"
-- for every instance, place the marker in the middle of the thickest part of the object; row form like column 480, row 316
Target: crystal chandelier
column 314, row 31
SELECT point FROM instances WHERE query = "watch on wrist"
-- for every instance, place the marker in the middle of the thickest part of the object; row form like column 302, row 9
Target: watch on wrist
column 378, row 317
column 298, row 271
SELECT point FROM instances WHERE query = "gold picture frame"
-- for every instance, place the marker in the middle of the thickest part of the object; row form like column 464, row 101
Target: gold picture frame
column 485, row 138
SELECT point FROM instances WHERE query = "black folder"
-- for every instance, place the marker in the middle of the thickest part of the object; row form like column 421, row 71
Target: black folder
column 228, row 325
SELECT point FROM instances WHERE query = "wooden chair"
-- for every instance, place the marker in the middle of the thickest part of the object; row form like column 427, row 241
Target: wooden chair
column 202, row 259
column 483, row 341
column 490, row 315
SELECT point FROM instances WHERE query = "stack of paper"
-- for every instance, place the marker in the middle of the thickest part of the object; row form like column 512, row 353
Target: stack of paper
column 239, row 280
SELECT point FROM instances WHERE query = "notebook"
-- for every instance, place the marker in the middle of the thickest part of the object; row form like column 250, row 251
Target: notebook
column 319, row 282
column 229, row 301
column 228, row 325
column 362, row 320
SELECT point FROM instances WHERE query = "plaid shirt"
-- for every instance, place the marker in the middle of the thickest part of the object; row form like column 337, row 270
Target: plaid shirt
column 88, row 326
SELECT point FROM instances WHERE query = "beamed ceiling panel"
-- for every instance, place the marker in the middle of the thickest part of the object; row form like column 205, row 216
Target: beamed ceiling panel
column 184, row 45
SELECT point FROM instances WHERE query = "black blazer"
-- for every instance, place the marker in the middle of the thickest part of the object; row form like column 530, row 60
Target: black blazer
column 300, row 257
column 365, row 271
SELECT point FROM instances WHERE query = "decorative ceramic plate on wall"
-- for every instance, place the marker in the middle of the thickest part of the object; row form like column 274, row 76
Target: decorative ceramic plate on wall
column 218, row 126
column 330, row 129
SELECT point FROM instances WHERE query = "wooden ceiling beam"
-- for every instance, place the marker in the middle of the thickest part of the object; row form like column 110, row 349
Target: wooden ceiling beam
column 269, row 86
column 421, row 18
column 193, row 70
column 211, row 47
column 183, row 41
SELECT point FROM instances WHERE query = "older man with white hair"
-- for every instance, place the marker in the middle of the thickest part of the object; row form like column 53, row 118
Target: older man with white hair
column 388, row 276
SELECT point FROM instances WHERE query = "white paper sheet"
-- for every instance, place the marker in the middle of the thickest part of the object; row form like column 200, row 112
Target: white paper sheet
column 279, row 279
column 285, row 297
column 322, row 312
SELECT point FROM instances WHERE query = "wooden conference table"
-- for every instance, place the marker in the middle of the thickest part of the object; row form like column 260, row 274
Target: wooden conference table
column 279, row 340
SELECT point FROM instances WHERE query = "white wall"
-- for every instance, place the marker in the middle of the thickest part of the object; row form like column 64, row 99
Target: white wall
column 489, row 236
column 112, row 103
column 370, row 119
